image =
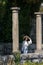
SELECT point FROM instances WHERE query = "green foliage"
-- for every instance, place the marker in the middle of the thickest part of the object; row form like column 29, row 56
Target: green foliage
column 17, row 57
column 29, row 63
column 33, row 63
column 25, row 18
column 28, row 7
column 5, row 21
column 29, row 1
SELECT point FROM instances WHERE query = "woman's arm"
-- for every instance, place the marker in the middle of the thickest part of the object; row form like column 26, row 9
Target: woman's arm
column 30, row 41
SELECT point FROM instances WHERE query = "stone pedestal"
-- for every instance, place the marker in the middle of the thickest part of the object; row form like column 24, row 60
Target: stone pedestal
column 38, row 31
column 15, row 28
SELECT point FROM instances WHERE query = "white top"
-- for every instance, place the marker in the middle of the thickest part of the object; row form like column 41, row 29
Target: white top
column 25, row 43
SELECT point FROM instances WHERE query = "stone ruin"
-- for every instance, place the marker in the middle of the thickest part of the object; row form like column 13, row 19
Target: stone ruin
column 15, row 34
column 15, row 30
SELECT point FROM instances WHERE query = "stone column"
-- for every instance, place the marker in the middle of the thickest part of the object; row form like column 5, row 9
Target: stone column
column 15, row 29
column 38, row 31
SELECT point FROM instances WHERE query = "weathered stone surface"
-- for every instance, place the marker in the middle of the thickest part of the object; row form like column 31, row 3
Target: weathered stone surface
column 34, row 57
column 15, row 29
column 38, row 31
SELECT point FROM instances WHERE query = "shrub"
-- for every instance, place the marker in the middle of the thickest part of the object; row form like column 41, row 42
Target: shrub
column 17, row 58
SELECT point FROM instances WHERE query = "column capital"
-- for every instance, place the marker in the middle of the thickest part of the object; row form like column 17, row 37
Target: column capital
column 38, row 13
column 15, row 9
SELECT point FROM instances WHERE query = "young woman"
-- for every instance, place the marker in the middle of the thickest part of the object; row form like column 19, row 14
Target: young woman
column 27, row 41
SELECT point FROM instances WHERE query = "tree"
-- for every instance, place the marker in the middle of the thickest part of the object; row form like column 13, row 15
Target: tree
column 28, row 7
column 5, row 21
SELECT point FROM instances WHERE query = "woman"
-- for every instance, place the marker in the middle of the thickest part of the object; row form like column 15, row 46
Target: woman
column 27, row 41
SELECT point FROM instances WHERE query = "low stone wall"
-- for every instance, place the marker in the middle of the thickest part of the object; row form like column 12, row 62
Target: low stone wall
column 33, row 57
column 7, row 60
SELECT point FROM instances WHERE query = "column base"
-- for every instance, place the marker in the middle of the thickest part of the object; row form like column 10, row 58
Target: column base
column 16, row 52
column 38, row 51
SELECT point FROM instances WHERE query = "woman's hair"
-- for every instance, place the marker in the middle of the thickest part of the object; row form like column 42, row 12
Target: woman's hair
column 26, row 38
